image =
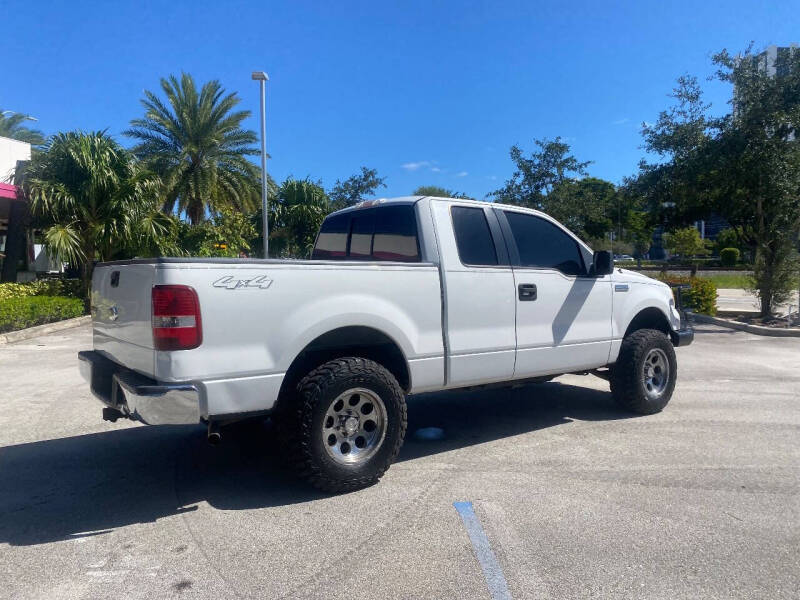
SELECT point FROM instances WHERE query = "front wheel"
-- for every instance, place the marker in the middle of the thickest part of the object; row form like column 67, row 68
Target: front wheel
column 347, row 424
column 643, row 378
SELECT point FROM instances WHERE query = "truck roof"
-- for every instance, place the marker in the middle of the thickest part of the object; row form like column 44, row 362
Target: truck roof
column 406, row 200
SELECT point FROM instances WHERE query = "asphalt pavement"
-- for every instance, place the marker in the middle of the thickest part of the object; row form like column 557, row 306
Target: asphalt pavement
column 558, row 493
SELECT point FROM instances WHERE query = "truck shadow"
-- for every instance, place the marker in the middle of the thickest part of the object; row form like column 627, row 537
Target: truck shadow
column 85, row 485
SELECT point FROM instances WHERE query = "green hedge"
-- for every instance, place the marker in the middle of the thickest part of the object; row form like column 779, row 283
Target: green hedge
column 41, row 287
column 701, row 298
column 19, row 313
column 729, row 257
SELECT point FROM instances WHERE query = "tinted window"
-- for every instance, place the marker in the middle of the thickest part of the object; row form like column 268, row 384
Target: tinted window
column 395, row 234
column 361, row 230
column 542, row 244
column 332, row 238
column 473, row 238
column 386, row 233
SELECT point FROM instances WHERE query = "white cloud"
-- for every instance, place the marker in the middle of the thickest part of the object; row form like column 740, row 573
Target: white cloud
column 462, row 174
column 415, row 166
column 620, row 121
column 435, row 169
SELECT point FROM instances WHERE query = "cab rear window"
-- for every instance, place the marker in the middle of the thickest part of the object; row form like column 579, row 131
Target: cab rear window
column 387, row 233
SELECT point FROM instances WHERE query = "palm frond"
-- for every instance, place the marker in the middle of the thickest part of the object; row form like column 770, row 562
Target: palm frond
column 63, row 243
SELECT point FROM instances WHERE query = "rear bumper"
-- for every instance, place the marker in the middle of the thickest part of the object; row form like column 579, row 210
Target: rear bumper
column 138, row 397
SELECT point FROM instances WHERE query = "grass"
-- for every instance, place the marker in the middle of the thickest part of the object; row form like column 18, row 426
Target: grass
column 730, row 280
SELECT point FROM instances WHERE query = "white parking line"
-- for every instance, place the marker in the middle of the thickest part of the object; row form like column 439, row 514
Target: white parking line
column 495, row 580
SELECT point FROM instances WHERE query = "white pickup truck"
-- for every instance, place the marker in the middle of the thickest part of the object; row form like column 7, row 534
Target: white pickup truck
column 401, row 296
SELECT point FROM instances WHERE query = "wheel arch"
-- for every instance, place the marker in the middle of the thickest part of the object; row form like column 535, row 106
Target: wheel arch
column 353, row 340
column 650, row 317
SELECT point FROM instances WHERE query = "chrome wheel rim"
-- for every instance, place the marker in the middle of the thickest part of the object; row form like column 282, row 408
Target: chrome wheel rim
column 655, row 373
column 354, row 426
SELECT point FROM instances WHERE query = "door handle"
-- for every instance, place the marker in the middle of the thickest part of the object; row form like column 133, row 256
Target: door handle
column 527, row 291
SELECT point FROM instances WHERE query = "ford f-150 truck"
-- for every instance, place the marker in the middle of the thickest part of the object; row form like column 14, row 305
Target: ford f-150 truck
column 401, row 296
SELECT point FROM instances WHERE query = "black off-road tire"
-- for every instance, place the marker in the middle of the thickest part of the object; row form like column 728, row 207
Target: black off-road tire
column 302, row 420
column 628, row 386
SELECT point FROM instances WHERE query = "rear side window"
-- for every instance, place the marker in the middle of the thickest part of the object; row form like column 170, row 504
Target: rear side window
column 542, row 244
column 473, row 238
column 396, row 234
column 332, row 238
column 388, row 233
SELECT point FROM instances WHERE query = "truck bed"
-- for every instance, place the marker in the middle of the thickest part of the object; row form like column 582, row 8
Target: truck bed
column 258, row 315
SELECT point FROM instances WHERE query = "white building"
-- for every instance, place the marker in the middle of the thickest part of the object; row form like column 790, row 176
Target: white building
column 13, row 210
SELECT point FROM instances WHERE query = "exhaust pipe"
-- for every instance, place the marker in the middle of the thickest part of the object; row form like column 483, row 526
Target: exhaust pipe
column 214, row 437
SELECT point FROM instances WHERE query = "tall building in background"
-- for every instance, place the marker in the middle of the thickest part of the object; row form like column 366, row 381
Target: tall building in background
column 769, row 58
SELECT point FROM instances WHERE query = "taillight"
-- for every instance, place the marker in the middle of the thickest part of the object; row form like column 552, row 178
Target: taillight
column 176, row 318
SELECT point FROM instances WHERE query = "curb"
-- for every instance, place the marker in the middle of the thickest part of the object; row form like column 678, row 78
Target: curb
column 31, row 332
column 755, row 329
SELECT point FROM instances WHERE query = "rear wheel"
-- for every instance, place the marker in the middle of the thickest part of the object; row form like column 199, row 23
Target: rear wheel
column 346, row 425
column 643, row 378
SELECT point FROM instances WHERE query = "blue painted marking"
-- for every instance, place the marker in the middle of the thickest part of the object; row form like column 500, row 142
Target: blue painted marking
column 495, row 580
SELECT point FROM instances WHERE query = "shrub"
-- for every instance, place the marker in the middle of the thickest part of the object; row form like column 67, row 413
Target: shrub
column 41, row 287
column 729, row 256
column 727, row 238
column 702, row 295
column 27, row 311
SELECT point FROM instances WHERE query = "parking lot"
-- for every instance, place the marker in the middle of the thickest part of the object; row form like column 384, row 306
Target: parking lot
column 576, row 498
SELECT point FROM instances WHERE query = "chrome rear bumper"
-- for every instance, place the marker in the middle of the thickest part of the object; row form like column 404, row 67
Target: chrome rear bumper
column 139, row 397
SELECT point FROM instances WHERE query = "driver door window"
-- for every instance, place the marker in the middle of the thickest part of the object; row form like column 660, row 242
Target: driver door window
column 541, row 244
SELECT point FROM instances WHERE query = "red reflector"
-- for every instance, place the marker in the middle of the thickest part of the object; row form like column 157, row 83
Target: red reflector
column 176, row 318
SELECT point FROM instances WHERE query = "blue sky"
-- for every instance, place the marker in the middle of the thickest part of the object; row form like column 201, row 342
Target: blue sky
column 426, row 92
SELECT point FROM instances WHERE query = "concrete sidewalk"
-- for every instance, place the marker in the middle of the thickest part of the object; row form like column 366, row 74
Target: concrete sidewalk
column 745, row 301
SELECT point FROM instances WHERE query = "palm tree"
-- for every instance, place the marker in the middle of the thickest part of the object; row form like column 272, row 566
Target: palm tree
column 196, row 144
column 296, row 217
column 93, row 198
column 11, row 126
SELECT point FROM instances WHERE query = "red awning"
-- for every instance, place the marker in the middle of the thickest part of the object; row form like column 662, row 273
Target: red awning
column 8, row 191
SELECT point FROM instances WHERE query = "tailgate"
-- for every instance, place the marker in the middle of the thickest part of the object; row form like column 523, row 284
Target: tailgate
column 121, row 321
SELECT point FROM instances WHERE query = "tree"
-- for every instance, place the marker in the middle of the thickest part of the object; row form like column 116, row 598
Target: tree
column 728, row 238
column 92, row 198
column 11, row 126
column 686, row 243
column 296, row 216
column 639, row 228
column 196, row 144
column 583, row 205
column 535, row 177
column 229, row 233
column 356, row 188
column 554, row 181
column 439, row 192
column 744, row 166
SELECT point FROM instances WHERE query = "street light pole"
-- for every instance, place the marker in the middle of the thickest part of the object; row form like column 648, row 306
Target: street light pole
column 262, row 78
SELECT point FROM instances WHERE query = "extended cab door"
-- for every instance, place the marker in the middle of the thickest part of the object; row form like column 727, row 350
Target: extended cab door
column 478, row 289
column 563, row 314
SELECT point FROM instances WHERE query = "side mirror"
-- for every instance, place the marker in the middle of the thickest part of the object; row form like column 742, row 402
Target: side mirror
column 602, row 263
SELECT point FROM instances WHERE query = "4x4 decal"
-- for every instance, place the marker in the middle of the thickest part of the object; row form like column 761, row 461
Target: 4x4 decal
column 228, row 282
